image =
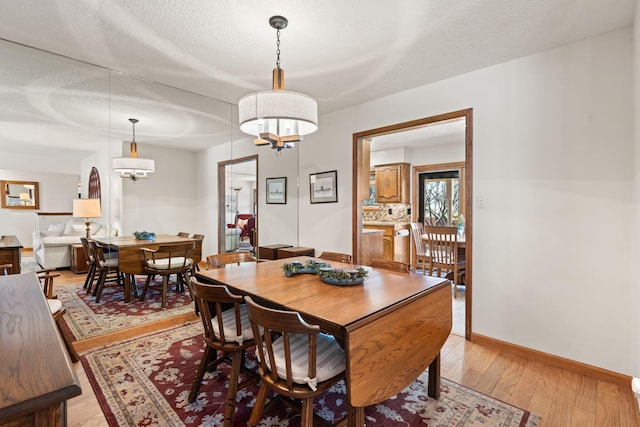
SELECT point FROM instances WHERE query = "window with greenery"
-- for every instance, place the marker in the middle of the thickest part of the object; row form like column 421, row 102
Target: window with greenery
column 440, row 197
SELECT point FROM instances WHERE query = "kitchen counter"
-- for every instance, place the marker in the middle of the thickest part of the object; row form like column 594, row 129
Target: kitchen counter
column 395, row 239
column 386, row 223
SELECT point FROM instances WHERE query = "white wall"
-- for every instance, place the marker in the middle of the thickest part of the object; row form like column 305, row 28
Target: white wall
column 166, row 202
column 552, row 157
column 56, row 190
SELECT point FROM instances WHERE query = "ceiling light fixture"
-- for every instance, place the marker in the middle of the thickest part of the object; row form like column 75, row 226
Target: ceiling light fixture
column 133, row 167
column 278, row 118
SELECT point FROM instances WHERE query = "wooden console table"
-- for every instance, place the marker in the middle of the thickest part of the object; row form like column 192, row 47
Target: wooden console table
column 10, row 252
column 37, row 375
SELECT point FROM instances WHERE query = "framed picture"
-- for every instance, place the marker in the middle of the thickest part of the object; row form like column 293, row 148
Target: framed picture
column 324, row 187
column 277, row 190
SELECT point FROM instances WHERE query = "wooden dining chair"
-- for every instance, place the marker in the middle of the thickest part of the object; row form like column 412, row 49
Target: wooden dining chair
column 46, row 280
column 295, row 360
column 335, row 256
column 403, row 267
column 420, row 248
column 221, row 260
column 91, row 278
column 443, row 248
column 165, row 261
column 57, row 310
column 226, row 330
column 107, row 268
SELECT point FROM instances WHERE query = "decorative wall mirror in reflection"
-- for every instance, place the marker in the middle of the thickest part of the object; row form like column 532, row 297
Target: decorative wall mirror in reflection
column 20, row 195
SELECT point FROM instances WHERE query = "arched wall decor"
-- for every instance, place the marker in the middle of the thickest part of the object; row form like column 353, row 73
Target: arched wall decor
column 94, row 184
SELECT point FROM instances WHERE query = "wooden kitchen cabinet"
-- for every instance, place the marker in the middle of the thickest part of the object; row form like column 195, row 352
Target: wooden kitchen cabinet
column 394, row 247
column 392, row 183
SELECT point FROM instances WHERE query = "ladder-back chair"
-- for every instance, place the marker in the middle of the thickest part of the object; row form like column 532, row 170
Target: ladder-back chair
column 443, row 249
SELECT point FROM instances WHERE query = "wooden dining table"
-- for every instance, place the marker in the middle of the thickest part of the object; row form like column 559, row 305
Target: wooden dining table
column 392, row 327
column 131, row 258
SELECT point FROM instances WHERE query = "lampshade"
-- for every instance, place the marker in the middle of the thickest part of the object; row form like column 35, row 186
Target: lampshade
column 279, row 112
column 133, row 167
column 86, row 208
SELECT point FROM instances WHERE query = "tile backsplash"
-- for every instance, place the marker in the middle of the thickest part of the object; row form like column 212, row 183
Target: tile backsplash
column 399, row 212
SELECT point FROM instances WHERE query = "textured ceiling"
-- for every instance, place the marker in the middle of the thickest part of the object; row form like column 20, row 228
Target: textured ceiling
column 341, row 52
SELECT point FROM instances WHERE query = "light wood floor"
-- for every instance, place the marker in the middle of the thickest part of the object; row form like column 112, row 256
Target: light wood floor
column 563, row 398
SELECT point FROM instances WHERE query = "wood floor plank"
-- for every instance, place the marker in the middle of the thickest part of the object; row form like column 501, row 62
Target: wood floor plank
column 509, row 378
column 606, row 412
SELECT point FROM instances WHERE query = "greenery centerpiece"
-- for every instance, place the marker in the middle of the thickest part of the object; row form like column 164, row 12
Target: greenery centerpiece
column 296, row 267
column 343, row 277
column 144, row 235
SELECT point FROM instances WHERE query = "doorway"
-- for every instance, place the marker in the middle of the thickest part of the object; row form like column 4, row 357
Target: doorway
column 361, row 186
column 238, row 205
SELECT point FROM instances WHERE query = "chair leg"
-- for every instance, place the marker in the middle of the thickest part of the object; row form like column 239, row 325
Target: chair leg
column 165, row 285
column 101, row 279
column 146, row 286
column 202, row 368
column 234, row 377
column 258, row 406
column 88, row 282
column 306, row 419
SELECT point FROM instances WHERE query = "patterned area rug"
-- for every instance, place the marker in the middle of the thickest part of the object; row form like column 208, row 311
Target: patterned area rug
column 84, row 318
column 146, row 382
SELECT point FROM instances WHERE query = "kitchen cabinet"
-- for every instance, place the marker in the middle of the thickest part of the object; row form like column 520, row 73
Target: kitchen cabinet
column 395, row 240
column 372, row 245
column 392, row 183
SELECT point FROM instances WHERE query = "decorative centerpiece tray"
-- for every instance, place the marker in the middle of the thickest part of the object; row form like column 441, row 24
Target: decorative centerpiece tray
column 144, row 235
column 343, row 277
column 296, row 267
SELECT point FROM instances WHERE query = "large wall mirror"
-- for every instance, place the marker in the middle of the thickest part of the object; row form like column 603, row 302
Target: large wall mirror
column 63, row 118
column 20, row 195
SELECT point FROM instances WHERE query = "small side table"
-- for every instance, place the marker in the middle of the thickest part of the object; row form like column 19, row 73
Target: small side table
column 270, row 251
column 295, row 251
column 78, row 259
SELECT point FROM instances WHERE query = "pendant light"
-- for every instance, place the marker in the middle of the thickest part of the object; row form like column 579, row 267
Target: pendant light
column 133, row 167
column 278, row 117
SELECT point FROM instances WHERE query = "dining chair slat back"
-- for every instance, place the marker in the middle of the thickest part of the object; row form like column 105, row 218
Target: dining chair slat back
column 403, row 267
column 221, row 260
column 443, row 251
column 421, row 250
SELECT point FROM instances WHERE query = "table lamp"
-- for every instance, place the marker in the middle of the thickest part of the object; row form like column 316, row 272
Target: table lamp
column 25, row 198
column 87, row 208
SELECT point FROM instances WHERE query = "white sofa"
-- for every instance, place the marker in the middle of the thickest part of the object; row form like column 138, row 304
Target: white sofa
column 52, row 247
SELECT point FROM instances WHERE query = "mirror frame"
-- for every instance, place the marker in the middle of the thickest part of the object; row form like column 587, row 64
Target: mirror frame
column 5, row 193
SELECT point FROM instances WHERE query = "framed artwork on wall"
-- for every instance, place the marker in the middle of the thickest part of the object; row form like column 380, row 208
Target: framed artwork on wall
column 20, row 195
column 324, row 187
column 277, row 190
